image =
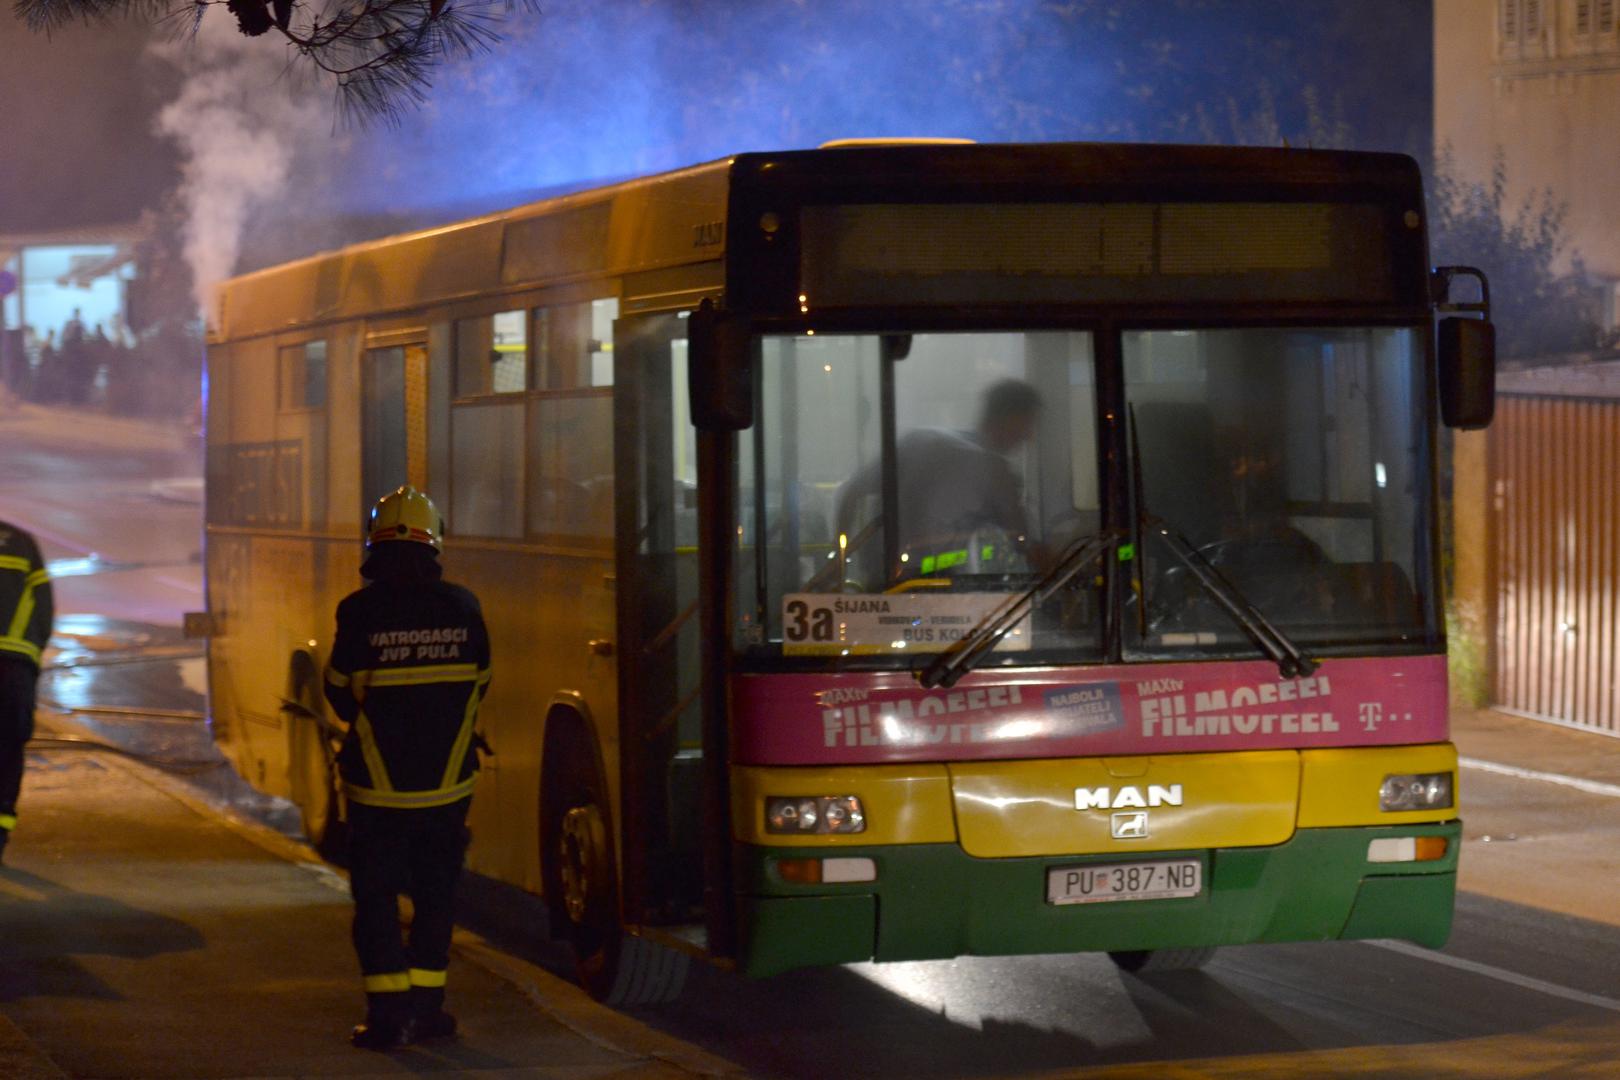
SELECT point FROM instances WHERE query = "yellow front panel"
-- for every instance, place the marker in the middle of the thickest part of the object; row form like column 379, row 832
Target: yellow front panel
column 1340, row 787
column 904, row 804
column 1018, row 808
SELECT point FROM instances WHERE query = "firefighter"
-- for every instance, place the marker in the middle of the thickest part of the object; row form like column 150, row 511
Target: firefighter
column 409, row 666
column 25, row 627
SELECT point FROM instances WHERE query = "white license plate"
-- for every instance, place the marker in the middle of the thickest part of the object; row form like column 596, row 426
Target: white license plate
column 1097, row 884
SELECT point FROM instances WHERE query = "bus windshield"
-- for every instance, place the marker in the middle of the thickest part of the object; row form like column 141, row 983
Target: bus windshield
column 898, row 490
column 1291, row 461
column 907, row 485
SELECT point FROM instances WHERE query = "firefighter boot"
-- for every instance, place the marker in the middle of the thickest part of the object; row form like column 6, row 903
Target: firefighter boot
column 429, row 1017
column 389, row 1024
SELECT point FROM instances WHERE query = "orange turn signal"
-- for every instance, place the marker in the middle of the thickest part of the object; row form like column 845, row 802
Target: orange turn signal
column 800, row 871
column 1429, row 848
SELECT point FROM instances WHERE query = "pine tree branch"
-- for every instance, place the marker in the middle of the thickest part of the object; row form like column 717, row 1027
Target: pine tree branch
column 380, row 54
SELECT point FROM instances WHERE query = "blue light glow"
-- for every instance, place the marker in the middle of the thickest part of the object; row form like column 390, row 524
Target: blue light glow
column 596, row 90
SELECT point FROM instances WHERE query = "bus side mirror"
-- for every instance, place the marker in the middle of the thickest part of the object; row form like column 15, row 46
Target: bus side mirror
column 1467, row 350
column 720, row 369
column 1467, row 373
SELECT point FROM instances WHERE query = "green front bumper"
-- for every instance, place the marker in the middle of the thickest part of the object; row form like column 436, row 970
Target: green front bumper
column 932, row 901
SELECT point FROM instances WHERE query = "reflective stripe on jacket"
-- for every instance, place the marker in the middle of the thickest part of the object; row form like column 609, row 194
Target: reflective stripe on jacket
column 409, row 667
column 25, row 597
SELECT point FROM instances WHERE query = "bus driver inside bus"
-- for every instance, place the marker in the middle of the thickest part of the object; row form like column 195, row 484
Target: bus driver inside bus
column 961, row 501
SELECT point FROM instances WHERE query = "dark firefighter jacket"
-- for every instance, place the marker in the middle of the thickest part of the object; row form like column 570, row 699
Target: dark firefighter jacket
column 409, row 666
column 25, row 598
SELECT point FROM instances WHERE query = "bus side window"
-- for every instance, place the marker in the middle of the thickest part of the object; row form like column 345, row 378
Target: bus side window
column 573, row 344
column 571, row 465
column 301, row 376
column 492, row 354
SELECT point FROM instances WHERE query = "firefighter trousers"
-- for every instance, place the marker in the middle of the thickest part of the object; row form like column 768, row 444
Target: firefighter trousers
column 417, row 853
column 17, row 683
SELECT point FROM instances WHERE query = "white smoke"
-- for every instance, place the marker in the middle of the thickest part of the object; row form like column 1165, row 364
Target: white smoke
column 239, row 121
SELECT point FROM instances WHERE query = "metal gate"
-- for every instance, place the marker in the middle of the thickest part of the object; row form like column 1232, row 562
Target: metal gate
column 1554, row 559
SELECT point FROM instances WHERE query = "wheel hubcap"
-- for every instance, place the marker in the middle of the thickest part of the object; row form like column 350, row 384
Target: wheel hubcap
column 583, row 860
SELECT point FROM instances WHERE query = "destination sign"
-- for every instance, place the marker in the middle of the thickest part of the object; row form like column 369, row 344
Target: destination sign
column 834, row 624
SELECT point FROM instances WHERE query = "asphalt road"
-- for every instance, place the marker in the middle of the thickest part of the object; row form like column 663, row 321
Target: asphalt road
column 1529, row 986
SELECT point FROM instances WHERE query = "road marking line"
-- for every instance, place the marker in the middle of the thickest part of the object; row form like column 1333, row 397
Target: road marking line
column 1597, row 1001
column 1591, row 787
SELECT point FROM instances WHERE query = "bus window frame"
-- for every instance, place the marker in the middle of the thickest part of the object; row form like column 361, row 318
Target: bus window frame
column 529, row 301
column 455, row 320
column 302, row 342
column 602, row 545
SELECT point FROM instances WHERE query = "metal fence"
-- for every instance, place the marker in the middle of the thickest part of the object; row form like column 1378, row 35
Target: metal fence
column 1554, row 552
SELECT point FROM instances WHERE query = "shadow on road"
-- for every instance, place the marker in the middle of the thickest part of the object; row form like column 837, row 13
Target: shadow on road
column 47, row 926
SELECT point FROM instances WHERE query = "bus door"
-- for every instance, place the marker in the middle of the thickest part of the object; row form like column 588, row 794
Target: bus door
column 393, row 389
column 660, row 735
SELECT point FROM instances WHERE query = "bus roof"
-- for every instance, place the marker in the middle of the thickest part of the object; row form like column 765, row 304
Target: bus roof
column 679, row 217
column 616, row 229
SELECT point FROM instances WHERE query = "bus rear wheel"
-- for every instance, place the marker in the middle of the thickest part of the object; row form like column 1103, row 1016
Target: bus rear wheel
column 315, row 790
column 614, row 967
column 1151, row 961
column 312, row 763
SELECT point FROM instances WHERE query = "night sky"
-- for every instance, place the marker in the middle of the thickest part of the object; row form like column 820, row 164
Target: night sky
column 592, row 90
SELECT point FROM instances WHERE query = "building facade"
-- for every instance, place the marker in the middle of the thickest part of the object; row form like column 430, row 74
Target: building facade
column 1538, row 82
column 1536, row 580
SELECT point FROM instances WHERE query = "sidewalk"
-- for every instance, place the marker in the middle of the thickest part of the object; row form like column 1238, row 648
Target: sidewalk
column 147, row 936
column 1487, row 735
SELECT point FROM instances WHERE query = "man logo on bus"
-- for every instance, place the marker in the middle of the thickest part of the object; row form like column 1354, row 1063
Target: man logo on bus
column 1130, row 825
column 1103, row 798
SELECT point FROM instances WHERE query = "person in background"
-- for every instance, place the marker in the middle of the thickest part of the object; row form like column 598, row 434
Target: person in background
column 73, row 358
column 25, row 628
column 409, row 666
column 47, row 371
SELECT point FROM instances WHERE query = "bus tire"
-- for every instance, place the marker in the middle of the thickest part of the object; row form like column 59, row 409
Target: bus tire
column 1151, row 961
column 645, row 973
column 582, row 893
column 312, row 763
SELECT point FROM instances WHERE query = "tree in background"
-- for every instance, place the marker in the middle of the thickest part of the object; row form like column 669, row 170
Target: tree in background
column 381, row 54
column 1539, row 310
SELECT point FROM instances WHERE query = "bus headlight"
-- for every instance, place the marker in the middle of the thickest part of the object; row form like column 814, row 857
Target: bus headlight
column 814, row 814
column 1415, row 791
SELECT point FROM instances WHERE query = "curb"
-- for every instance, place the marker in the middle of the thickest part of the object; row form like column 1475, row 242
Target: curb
column 577, row 1011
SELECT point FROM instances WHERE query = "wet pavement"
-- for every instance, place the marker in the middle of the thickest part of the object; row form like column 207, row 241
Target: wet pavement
column 140, row 690
column 148, row 935
column 166, row 906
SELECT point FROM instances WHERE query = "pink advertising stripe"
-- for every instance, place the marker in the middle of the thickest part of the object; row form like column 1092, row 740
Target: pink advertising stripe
column 879, row 717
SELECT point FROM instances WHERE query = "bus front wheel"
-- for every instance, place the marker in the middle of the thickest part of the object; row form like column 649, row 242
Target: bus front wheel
column 614, row 967
column 1152, row 961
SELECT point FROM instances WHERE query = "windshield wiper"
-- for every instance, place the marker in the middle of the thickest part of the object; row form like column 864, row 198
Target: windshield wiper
column 950, row 665
column 1291, row 662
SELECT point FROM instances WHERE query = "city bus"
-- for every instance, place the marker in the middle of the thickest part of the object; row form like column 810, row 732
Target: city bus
column 890, row 552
